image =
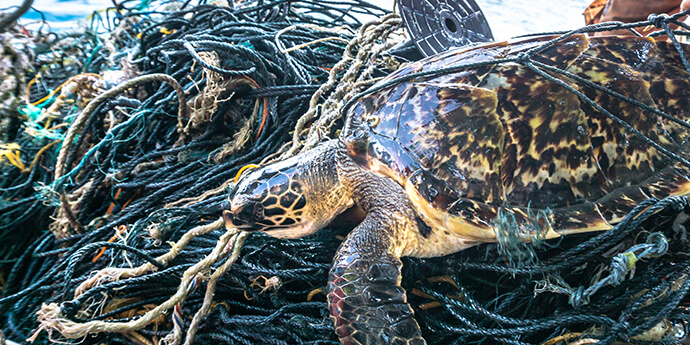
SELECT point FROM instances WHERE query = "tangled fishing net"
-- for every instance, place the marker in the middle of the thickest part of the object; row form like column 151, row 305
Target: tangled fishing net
column 119, row 146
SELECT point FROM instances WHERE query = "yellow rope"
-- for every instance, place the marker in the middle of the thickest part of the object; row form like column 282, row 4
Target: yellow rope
column 562, row 338
column 11, row 153
column 239, row 173
column 38, row 155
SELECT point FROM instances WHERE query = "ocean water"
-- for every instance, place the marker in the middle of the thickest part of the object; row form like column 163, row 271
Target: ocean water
column 507, row 18
column 510, row 18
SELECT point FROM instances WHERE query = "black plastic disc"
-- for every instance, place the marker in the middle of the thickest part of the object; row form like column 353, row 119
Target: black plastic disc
column 436, row 25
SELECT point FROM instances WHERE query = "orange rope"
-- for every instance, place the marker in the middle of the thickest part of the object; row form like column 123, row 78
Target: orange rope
column 263, row 119
column 264, row 114
column 60, row 87
column 112, row 204
column 28, row 87
column 120, row 230
column 130, row 200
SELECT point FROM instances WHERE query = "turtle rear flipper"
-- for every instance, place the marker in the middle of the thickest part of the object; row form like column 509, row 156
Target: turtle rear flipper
column 366, row 301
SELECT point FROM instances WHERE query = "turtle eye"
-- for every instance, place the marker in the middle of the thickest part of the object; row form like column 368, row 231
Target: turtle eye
column 257, row 190
column 248, row 189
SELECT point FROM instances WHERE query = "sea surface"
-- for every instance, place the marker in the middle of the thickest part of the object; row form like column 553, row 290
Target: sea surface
column 507, row 18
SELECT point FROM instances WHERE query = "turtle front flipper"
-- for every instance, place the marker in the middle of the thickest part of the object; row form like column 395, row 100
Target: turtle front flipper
column 366, row 301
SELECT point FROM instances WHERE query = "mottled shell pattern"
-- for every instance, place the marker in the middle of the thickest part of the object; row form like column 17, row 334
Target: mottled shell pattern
column 468, row 143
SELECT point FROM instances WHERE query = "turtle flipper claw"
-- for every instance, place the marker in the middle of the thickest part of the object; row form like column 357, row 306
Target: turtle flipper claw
column 366, row 301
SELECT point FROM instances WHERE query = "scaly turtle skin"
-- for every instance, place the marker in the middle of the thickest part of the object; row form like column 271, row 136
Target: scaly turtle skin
column 433, row 161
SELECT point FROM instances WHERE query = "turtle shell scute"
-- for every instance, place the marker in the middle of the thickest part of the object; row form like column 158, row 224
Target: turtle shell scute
column 503, row 135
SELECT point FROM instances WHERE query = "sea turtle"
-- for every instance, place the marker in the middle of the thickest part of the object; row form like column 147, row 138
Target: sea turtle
column 435, row 159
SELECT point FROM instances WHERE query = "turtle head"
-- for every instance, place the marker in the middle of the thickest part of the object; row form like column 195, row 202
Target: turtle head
column 288, row 199
column 270, row 198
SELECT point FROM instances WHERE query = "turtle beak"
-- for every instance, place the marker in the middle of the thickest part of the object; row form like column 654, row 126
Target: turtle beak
column 233, row 222
column 229, row 214
column 228, row 218
column 240, row 213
